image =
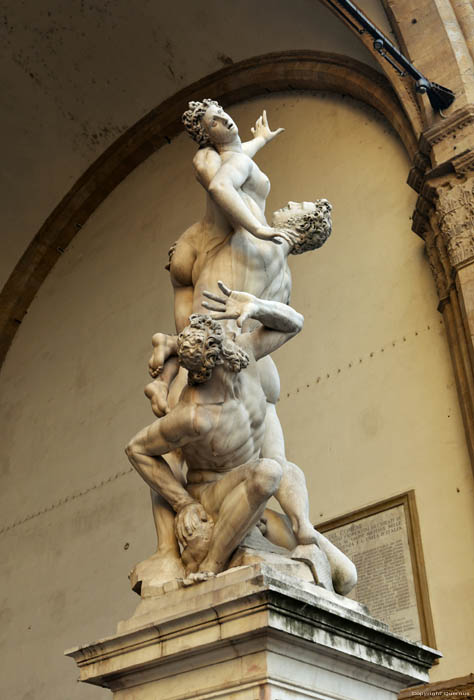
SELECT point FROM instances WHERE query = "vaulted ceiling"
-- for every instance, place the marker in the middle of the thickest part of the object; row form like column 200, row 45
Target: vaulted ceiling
column 75, row 75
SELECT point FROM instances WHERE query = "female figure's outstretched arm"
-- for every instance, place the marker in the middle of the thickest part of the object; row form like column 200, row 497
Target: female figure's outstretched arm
column 262, row 134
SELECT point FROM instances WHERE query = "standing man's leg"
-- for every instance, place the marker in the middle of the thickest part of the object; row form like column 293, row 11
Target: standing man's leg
column 292, row 493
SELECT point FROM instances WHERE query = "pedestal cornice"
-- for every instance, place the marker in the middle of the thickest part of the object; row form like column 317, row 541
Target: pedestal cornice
column 264, row 619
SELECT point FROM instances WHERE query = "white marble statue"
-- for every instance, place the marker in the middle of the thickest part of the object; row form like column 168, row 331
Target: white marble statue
column 219, row 424
column 234, row 243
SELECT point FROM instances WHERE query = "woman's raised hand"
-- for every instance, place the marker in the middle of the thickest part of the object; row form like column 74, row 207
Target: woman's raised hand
column 262, row 129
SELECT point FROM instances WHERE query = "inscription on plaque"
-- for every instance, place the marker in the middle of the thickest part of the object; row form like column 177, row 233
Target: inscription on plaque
column 378, row 546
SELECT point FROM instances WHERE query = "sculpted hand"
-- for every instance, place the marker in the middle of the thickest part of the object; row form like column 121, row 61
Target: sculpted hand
column 163, row 347
column 262, row 129
column 236, row 305
column 188, row 520
column 267, row 233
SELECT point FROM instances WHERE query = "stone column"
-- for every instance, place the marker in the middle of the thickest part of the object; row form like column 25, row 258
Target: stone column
column 443, row 175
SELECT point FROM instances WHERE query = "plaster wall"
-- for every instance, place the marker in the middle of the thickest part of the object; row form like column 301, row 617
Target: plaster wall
column 386, row 419
column 77, row 75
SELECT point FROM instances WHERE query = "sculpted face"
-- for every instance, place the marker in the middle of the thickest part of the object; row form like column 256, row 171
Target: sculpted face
column 192, row 346
column 196, row 347
column 220, row 127
column 285, row 217
column 200, row 347
column 310, row 221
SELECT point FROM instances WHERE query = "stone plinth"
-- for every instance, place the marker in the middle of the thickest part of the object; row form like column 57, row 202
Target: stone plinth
column 253, row 633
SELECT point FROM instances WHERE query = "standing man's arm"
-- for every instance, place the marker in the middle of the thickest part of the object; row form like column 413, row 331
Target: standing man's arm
column 279, row 321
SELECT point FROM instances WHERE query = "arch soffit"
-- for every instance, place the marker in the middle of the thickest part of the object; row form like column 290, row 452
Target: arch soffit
column 277, row 72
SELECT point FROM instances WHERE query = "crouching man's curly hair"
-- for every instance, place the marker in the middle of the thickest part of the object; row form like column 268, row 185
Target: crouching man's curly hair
column 202, row 345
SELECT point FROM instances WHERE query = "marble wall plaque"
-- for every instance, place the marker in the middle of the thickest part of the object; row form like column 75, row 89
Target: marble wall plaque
column 380, row 540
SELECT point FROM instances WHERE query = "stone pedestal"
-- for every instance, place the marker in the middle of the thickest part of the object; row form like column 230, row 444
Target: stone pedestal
column 252, row 633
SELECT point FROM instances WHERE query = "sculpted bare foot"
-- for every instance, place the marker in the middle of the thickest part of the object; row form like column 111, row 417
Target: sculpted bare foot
column 157, row 392
column 317, row 561
column 306, row 534
column 164, row 346
column 198, row 577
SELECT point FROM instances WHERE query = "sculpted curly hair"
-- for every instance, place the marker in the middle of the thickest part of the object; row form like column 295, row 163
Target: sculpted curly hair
column 202, row 345
column 313, row 228
column 192, row 120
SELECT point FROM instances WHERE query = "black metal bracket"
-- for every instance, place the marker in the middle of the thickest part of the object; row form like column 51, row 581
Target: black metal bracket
column 440, row 97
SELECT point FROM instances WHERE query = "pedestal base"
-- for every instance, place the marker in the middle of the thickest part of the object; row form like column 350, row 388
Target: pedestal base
column 252, row 633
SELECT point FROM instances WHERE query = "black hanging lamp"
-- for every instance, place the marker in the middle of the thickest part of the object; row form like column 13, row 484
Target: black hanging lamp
column 440, row 97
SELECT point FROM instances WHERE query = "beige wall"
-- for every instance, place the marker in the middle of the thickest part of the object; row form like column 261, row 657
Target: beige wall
column 71, row 388
column 77, row 75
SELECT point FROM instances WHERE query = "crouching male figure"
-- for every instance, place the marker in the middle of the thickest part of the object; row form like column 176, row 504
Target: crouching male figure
column 219, row 424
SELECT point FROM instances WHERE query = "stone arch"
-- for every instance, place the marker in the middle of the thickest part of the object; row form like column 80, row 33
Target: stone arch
column 276, row 72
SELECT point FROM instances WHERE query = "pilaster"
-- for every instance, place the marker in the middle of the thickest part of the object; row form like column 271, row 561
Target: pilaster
column 443, row 175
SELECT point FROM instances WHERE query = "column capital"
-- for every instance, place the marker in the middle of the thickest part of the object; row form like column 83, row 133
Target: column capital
column 443, row 175
column 449, row 138
column 445, row 150
column 454, row 212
